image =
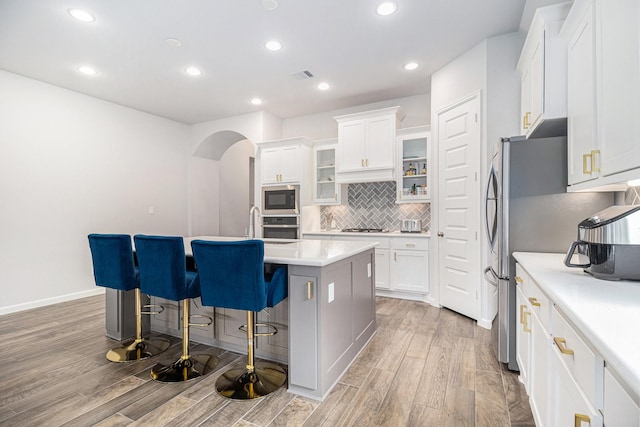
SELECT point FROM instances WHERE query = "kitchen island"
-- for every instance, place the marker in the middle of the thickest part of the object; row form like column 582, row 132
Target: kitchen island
column 327, row 319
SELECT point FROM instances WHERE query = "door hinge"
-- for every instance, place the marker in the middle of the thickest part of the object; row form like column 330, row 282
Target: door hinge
column 476, row 176
column 476, row 294
column 476, row 235
column 476, row 117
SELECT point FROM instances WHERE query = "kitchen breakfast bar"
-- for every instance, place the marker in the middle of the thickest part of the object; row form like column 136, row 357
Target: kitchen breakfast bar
column 327, row 319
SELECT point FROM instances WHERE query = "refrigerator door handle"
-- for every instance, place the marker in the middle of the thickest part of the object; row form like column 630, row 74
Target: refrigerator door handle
column 491, row 229
column 493, row 279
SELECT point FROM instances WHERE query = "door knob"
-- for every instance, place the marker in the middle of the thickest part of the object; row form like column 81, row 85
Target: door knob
column 440, row 234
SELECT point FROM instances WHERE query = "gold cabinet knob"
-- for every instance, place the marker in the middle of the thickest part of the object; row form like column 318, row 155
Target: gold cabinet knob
column 580, row 418
column 534, row 302
column 518, row 279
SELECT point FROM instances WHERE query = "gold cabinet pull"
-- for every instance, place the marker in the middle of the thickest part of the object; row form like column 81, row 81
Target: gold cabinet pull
column 522, row 307
column 310, row 289
column 593, row 160
column 534, row 302
column 362, row 162
column 525, row 324
column 587, row 158
column 580, row 418
column 519, row 279
column 525, row 120
column 561, row 343
column 367, row 162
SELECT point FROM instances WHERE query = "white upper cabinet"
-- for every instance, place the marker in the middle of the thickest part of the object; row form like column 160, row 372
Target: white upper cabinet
column 285, row 161
column 603, row 137
column 619, row 89
column 412, row 170
column 583, row 154
column 542, row 66
column 326, row 190
column 365, row 151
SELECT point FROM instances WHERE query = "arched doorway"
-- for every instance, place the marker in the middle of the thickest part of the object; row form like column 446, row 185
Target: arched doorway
column 222, row 184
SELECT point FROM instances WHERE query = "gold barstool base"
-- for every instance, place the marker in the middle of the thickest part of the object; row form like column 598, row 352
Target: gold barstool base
column 184, row 369
column 242, row 384
column 135, row 349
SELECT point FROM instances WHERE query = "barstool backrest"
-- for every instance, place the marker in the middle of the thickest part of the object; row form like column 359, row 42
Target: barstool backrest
column 113, row 265
column 162, row 264
column 231, row 273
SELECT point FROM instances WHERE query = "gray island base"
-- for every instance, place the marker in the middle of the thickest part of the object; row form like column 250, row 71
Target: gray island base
column 323, row 325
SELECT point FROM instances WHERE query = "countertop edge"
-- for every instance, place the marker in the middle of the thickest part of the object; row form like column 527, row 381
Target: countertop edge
column 573, row 292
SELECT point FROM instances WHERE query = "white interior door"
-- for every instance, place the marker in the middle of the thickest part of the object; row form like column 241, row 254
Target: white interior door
column 458, row 207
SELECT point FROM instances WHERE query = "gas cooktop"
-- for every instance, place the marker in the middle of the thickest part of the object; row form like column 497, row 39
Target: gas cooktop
column 364, row 230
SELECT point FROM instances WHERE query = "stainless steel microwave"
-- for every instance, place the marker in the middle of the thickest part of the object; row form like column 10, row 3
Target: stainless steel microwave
column 281, row 200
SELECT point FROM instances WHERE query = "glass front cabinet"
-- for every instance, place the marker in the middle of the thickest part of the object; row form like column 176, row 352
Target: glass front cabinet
column 326, row 191
column 412, row 173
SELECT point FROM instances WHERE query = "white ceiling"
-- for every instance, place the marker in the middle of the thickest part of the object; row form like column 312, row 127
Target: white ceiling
column 342, row 42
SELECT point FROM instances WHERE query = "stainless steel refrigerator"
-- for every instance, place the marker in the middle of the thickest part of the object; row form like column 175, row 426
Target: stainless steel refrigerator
column 528, row 210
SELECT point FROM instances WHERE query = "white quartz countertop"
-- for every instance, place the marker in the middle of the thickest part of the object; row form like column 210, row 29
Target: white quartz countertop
column 355, row 233
column 316, row 253
column 606, row 312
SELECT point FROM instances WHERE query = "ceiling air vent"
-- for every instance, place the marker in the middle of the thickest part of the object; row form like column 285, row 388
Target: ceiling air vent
column 302, row 75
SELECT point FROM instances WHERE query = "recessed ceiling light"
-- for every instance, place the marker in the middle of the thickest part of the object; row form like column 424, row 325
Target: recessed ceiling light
column 323, row 86
column 193, row 71
column 256, row 101
column 81, row 15
column 386, row 8
column 269, row 4
column 89, row 71
column 273, row 45
column 411, row 66
column 173, row 42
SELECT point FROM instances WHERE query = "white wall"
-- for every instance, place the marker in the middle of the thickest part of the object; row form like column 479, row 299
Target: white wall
column 71, row 165
column 234, row 189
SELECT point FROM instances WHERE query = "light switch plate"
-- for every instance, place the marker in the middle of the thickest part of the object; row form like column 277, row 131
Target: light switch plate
column 330, row 292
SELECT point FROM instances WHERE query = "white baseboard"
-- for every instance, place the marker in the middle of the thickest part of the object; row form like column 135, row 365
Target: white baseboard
column 48, row 301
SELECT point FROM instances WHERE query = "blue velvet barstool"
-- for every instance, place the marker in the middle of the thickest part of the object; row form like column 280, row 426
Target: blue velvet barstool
column 232, row 276
column 163, row 273
column 113, row 267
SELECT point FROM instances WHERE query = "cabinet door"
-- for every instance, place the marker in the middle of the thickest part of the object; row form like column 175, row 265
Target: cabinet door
column 227, row 323
column 382, row 268
column 523, row 338
column 568, row 406
column 412, row 171
column 280, row 165
column 380, row 139
column 303, row 331
column 581, row 101
column 410, row 270
column 619, row 96
column 351, row 148
column 269, row 163
column 538, row 381
column 536, row 72
column 277, row 344
column 289, row 164
column 525, row 99
column 620, row 409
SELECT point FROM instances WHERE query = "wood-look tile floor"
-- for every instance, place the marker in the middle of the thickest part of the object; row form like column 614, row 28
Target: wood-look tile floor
column 424, row 367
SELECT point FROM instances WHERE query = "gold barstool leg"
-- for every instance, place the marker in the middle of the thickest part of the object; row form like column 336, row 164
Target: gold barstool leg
column 138, row 348
column 256, row 379
column 188, row 367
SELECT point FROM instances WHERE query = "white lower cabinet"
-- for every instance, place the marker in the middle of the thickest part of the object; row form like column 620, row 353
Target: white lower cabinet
column 382, row 268
column 569, row 406
column 401, row 263
column 565, row 376
column 410, row 264
column 620, row 408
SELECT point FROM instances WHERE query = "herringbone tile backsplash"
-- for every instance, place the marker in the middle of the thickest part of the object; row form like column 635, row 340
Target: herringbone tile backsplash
column 373, row 205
